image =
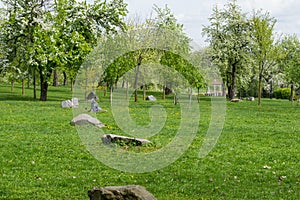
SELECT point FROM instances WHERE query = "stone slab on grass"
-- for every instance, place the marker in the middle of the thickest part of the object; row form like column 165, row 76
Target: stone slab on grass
column 236, row 100
column 83, row 119
column 111, row 138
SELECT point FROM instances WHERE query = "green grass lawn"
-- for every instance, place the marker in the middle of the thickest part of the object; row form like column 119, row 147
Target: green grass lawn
column 42, row 157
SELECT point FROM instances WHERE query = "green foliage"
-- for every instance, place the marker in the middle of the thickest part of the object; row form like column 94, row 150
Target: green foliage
column 79, row 25
column 290, row 64
column 46, row 35
column 166, row 20
column 263, row 35
column 264, row 48
column 186, row 68
column 119, row 67
column 283, row 93
column 147, row 44
column 229, row 38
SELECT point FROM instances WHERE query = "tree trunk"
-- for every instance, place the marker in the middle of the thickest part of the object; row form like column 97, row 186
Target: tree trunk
column 116, row 84
column 136, row 95
column 28, row 82
column 65, row 78
column 127, row 90
column 229, row 91
column 23, row 86
column 228, row 86
column 144, row 92
column 233, row 82
column 191, row 95
column 175, row 98
column 44, row 89
column 198, row 96
column 12, row 85
column 271, row 89
column 34, row 85
column 164, row 92
column 55, row 78
column 105, row 91
column 259, row 88
column 72, row 84
column 111, row 94
column 137, row 78
column 136, row 83
column 292, row 92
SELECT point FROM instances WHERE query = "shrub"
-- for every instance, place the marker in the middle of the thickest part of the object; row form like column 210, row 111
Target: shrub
column 282, row 93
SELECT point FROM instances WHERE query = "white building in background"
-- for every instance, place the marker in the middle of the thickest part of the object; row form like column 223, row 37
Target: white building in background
column 216, row 88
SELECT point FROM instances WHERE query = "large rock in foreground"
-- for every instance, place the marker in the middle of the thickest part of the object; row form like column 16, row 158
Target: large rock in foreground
column 130, row 192
column 83, row 119
column 111, row 138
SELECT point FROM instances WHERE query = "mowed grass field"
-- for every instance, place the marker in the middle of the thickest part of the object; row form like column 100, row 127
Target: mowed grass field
column 42, row 157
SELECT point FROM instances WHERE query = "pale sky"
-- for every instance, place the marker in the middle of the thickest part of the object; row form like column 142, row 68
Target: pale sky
column 194, row 14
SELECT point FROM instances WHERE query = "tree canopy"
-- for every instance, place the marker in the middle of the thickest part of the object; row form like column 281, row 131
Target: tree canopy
column 40, row 36
column 229, row 37
column 265, row 49
column 45, row 39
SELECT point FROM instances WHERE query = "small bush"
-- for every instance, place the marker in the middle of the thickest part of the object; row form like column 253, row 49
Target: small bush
column 283, row 93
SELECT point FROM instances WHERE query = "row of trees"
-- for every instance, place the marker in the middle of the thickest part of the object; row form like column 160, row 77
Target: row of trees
column 41, row 37
column 133, row 57
column 41, row 40
column 247, row 49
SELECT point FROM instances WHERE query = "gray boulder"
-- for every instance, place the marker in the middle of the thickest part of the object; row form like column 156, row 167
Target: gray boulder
column 73, row 103
column 250, row 98
column 67, row 104
column 92, row 95
column 111, row 138
column 83, row 119
column 95, row 106
column 151, row 98
column 130, row 192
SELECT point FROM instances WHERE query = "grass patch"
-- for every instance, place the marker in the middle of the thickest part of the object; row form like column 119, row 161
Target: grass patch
column 42, row 157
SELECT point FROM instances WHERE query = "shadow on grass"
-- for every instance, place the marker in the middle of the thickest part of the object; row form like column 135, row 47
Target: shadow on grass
column 54, row 93
column 14, row 97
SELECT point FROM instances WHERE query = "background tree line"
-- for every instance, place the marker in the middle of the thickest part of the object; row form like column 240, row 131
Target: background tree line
column 249, row 54
column 44, row 41
column 40, row 38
